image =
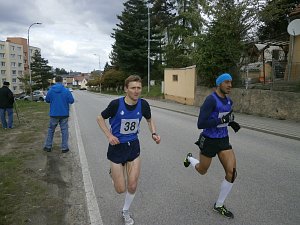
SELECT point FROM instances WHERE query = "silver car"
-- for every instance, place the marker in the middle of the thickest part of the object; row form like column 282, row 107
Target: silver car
column 36, row 96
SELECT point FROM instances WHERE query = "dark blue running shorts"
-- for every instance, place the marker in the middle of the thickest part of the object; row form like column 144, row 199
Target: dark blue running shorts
column 210, row 147
column 124, row 152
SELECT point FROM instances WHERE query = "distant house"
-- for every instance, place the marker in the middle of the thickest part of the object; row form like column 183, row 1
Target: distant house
column 81, row 80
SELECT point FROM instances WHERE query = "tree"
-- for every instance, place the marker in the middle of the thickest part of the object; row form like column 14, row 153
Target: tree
column 220, row 49
column 61, row 71
column 40, row 72
column 274, row 18
column 113, row 78
column 130, row 47
column 187, row 25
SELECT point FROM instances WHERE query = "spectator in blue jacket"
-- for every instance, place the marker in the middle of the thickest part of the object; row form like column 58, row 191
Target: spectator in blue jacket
column 59, row 98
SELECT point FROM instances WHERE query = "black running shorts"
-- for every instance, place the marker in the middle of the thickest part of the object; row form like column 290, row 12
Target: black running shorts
column 124, row 152
column 210, row 147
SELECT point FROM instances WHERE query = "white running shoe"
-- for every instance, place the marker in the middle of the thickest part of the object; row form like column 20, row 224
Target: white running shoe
column 127, row 218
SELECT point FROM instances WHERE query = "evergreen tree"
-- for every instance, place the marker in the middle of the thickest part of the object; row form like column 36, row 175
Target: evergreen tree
column 188, row 24
column 40, row 72
column 274, row 18
column 130, row 48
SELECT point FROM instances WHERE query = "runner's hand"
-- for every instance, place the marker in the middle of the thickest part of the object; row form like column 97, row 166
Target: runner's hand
column 229, row 117
column 235, row 126
column 113, row 140
column 156, row 138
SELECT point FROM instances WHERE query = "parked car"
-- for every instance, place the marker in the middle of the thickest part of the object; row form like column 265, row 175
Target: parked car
column 20, row 96
column 36, row 96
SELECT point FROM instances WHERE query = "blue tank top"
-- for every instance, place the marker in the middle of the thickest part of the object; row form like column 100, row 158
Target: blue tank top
column 125, row 124
column 220, row 110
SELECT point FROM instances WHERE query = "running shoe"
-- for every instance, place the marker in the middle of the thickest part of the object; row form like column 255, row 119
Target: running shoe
column 223, row 211
column 186, row 161
column 127, row 217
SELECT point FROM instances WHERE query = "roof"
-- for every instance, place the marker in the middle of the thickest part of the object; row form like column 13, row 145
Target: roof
column 295, row 12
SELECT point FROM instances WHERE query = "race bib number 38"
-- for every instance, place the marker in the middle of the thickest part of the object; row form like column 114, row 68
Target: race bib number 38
column 129, row 126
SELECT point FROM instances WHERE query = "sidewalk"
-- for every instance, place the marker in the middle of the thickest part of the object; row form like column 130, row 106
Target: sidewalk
column 283, row 128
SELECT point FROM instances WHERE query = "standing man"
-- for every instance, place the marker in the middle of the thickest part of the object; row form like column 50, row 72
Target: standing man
column 124, row 116
column 215, row 115
column 6, row 105
column 59, row 98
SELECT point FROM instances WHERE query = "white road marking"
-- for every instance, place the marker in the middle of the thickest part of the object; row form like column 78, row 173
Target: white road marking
column 92, row 204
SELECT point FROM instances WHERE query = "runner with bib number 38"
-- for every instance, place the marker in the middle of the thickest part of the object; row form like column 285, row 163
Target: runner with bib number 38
column 124, row 116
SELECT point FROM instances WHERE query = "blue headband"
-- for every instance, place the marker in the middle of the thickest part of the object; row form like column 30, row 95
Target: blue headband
column 222, row 78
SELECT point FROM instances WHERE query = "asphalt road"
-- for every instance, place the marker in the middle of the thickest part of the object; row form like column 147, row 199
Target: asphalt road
column 266, row 191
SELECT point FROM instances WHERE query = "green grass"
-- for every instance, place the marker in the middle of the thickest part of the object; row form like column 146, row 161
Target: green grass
column 22, row 189
column 19, row 191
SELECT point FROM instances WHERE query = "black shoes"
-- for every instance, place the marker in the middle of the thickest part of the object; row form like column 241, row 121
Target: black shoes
column 223, row 211
column 47, row 149
column 65, row 150
column 186, row 162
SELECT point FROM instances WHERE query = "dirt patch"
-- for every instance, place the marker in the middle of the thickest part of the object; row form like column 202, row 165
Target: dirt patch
column 37, row 187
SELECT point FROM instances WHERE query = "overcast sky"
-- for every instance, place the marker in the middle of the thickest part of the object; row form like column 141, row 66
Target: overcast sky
column 72, row 31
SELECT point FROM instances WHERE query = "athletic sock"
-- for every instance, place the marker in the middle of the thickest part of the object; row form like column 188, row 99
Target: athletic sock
column 224, row 191
column 193, row 161
column 128, row 200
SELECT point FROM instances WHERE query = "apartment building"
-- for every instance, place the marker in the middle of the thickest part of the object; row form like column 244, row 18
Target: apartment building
column 14, row 62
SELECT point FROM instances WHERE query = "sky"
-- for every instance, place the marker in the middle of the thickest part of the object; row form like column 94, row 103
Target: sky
column 74, row 34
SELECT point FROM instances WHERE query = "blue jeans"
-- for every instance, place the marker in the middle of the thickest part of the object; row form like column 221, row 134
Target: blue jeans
column 10, row 114
column 63, row 123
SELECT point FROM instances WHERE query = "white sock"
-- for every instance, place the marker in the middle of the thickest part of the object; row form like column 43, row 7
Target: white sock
column 225, row 189
column 193, row 161
column 128, row 200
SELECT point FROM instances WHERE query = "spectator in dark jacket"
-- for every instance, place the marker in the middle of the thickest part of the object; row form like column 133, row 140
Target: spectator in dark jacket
column 6, row 105
column 59, row 98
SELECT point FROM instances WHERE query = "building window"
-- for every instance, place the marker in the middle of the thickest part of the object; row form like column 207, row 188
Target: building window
column 12, row 56
column 2, row 72
column 15, row 88
column 19, row 49
column 13, row 64
column 14, row 80
column 1, row 47
column 20, row 57
column 12, row 48
column 14, row 72
column 19, row 64
column 2, row 55
column 2, row 63
column 20, row 72
column 175, row 77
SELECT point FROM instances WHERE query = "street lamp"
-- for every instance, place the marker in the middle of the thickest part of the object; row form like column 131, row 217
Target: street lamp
column 148, row 7
column 99, row 62
column 99, row 70
column 29, row 70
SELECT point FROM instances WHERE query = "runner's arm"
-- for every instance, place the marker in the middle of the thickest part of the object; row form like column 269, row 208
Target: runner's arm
column 204, row 120
column 109, row 112
column 146, row 111
column 111, row 138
